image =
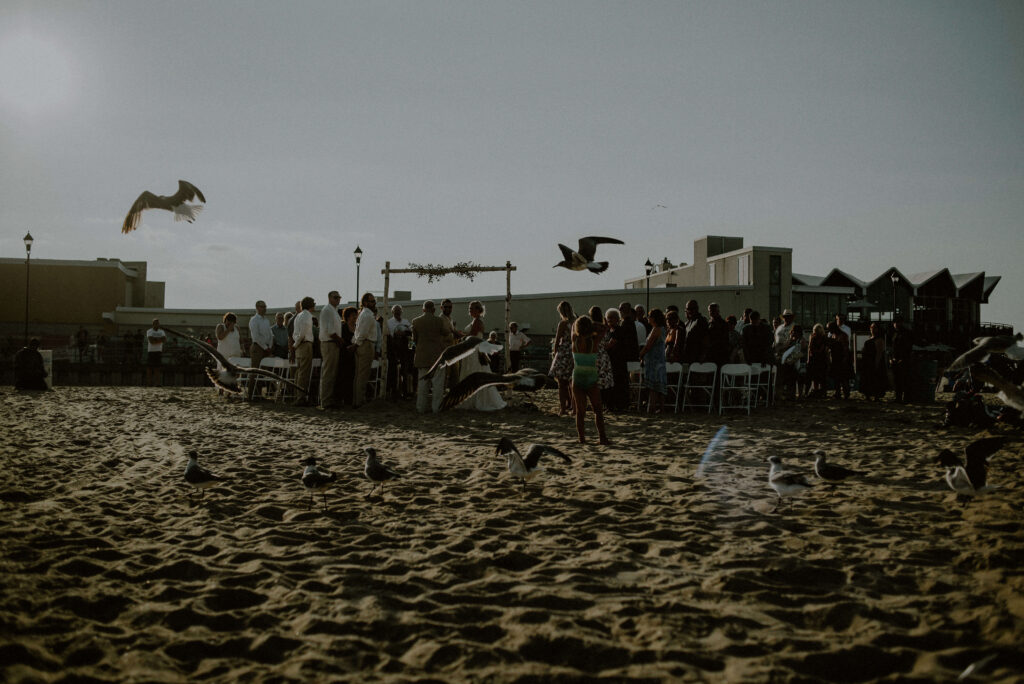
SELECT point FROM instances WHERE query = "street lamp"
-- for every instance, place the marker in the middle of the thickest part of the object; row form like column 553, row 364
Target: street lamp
column 359, row 258
column 895, row 280
column 28, row 253
column 648, row 267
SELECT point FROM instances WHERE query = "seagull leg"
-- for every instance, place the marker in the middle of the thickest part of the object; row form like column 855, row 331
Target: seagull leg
column 325, row 501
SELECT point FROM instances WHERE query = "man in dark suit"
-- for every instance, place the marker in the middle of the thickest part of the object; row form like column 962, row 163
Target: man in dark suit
column 431, row 334
column 695, row 343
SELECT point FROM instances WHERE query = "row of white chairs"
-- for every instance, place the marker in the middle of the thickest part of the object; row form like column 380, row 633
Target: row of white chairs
column 286, row 370
column 740, row 385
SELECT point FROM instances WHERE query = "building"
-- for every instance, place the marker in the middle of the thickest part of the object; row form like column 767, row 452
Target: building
column 66, row 295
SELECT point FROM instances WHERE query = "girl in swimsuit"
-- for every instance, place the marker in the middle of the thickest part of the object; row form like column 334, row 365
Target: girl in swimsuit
column 585, row 378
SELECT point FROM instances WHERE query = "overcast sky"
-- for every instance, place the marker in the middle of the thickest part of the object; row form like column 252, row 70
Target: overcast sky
column 860, row 134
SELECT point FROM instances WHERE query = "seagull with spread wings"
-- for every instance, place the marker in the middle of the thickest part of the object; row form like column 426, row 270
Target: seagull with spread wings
column 969, row 480
column 524, row 380
column 525, row 467
column 455, row 353
column 583, row 257
column 226, row 375
column 177, row 203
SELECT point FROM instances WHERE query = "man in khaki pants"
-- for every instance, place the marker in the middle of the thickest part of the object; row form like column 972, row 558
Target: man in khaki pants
column 363, row 342
column 303, row 341
column 431, row 334
column 330, row 349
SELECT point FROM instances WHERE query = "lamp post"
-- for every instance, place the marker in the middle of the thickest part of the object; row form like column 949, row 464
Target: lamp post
column 359, row 258
column 895, row 280
column 648, row 267
column 28, row 253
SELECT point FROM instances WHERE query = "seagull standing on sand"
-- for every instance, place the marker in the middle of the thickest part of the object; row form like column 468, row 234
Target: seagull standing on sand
column 175, row 203
column 455, row 353
column 376, row 472
column 226, row 375
column 525, row 467
column 832, row 474
column 583, row 257
column 524, row 380
column 197, row 476
column 784, row 484
column 316, row 480
column 970, row 480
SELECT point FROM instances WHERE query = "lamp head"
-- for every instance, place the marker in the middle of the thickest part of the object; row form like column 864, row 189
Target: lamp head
column 648, row 267
column 28, row 242
column 359, row 254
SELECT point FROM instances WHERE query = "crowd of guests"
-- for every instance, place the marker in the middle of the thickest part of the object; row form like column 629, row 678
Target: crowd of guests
column 594, row 351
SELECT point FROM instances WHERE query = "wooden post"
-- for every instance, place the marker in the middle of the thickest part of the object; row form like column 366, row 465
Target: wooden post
column 382, row 386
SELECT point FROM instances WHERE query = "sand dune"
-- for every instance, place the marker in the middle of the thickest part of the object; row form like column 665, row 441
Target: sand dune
column 625, row 565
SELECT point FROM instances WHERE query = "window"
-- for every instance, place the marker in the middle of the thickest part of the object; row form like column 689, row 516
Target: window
column 774, row 284
column 711, row 274
column 743, row 269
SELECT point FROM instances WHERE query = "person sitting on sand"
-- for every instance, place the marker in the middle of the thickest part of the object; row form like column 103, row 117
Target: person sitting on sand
column 29, row 372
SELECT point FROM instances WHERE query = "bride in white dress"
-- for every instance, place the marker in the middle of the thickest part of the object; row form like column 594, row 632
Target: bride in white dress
column 487, row 399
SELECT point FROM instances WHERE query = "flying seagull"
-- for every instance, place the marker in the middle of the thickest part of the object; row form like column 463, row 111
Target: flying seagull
column 524, row 380
column 197, row 476
column 226, row 375
column 176, row 203
column 983, row 346
column 316, row 480
column 525, row 467
column 583, row 258
column 1009, row 394
column 831, row 473
column 784, row 484
column 455, row 353
column 376, row 472
column 968, row 481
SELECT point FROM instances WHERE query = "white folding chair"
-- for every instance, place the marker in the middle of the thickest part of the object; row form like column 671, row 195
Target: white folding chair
column 699, row 391
column 761, row 377
column 281, row 368
column 241, row 362
column 772, row 382
column 736, row 387
column 636, row 376
column 674, row 383
column 313, row 395
column 374, row 382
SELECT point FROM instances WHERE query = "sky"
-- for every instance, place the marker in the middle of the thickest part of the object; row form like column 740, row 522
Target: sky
column 861, row 134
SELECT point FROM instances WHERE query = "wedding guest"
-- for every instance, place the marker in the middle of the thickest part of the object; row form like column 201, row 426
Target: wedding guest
column 874, row 381
column 840, row 360
column 585, row 381
column 604, row 364
column 346, row 358
column 399, row 332
column 330, row 337
column 155, row 338
column 302, row 345
column 655, row 379
column 617, row 344
column 431, row 334
column 29, row 370
column 562, row 361
column 279, row 331
column 261, row 338
column 517, row 342
column 366, row 335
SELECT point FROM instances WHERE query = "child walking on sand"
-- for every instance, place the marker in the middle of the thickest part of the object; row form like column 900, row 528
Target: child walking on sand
column 585, row 383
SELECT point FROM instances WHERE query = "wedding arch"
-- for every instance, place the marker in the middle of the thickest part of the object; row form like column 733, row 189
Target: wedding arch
column 432, row 272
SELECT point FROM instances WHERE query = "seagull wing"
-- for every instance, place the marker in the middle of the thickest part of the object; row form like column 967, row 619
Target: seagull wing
column 453, row 354
column 531, row 380
column 471, row 384
column 146, row 200
column 567, row 254
column 1009, row 393
column 186, row 193
column 209, row 349
column 789, row 479
column 968, row 358
column 535, row 451
column 978, row 453
column 588, row 245
column 505, row 446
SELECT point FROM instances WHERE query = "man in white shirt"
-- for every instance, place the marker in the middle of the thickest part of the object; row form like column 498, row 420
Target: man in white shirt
column 363, row 340
column 399, row 332
column 155, row 338
column 302, row 340
column 262, row 339
column 782, row 332
column 330, row 349
column 517, row 342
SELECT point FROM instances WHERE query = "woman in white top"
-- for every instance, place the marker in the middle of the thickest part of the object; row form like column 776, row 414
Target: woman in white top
column 228, row 342
column 487, row 399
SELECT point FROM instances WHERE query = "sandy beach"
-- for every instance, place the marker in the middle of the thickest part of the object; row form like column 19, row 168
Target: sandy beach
column 625, row 565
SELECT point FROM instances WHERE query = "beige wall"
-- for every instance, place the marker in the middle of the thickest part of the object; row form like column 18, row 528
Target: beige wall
column 66, row 294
